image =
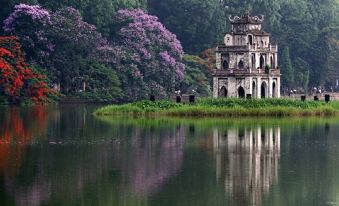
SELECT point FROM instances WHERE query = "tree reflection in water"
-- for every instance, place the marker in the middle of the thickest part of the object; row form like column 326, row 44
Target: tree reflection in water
column 152, row 161
column 17, row 132
column 65, row 156
column 39, row 173
column 247, row 162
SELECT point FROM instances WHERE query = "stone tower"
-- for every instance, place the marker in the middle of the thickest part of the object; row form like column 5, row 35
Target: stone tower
column 247, row 62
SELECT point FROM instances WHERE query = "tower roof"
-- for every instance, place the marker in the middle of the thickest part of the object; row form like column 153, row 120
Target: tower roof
column 246, row 18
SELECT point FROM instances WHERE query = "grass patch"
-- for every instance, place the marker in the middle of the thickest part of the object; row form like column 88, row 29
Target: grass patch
column 208, row 107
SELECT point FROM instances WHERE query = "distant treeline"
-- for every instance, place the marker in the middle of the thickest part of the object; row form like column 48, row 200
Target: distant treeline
column 305, row 30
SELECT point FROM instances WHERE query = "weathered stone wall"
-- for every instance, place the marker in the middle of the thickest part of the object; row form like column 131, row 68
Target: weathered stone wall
column 228, row 40
column 232, row 84
column 215, row 87
column 240, row 40
column 233, row 60
column 262, row 39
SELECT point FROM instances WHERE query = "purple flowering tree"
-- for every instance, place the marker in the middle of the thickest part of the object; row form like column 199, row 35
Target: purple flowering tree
column 146, row 56
column 68, row 25
column 59, row 41
column 30, row 24
column 149, row 56
column 76, row 45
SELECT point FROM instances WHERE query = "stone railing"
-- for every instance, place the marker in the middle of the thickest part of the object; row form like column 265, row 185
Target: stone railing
column 248, row 47
column 269, row 48
column 223, row 72
column 224, row 48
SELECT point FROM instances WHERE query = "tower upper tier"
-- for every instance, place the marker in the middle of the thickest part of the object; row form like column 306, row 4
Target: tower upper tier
column 246, row 23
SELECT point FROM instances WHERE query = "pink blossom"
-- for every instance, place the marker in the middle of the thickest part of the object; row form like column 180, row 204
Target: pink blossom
column 156, row 52
column 35, row 12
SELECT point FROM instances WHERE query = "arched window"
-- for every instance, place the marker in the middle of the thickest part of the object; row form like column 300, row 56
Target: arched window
column 225, row 65
column 254, row 93
column 272, row 63
column 262, row 44
column 253, row 61
column 274, row 92
column 264, row 92
column 250, row 39
column 241, row 64
column 262, row 62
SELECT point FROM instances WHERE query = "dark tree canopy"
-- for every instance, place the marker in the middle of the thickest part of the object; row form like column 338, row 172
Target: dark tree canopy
column 307, row 27
column 305, row 30
column 199, row 24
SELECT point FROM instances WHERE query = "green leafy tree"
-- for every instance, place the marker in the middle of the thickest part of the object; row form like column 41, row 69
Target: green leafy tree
column 102, row 83
column 199, row 24
column 302, row 72
column 197, row 77
column 287, row 69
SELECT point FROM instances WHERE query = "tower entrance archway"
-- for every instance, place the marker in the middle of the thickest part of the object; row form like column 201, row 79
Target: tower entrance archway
column 223, row 92
column 264, row 90
column 241, row 92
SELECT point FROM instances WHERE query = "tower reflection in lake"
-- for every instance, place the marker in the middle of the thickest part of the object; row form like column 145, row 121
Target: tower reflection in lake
column 65, row 156
column 247, row 162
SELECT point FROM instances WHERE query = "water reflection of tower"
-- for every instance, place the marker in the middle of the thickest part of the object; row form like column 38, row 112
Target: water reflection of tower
column 247, row 162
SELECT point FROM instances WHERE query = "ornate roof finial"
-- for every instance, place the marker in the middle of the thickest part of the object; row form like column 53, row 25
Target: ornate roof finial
column 246, row 18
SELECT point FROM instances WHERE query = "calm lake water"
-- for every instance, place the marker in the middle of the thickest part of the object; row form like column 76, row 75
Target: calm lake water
column 62, row 155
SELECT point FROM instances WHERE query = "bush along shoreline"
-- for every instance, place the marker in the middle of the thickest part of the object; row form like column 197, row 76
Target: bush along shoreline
column 209, row 107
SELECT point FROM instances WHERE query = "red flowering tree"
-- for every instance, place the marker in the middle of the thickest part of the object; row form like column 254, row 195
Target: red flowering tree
column 16, row 78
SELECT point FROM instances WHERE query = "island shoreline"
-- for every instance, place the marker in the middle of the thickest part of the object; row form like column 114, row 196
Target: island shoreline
column 208, row 107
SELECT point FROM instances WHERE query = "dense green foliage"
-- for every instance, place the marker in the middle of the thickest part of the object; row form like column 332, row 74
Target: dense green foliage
column 287, row 68
column 305, row 30
column 307, row 27
column 197, row 77
column 199, row 24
